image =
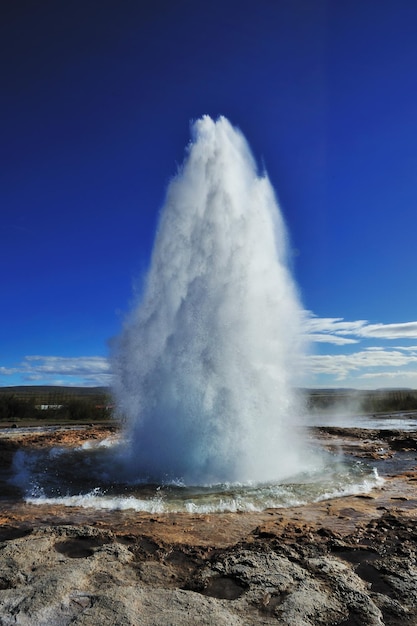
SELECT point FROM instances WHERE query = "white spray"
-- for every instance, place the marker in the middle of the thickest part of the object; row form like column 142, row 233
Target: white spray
column 206, row 364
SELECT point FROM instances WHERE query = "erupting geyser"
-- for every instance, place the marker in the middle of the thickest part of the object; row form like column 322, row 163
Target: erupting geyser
column 206, row 364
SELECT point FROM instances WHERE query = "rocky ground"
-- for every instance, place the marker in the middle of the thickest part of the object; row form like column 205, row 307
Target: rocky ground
column 347, row 561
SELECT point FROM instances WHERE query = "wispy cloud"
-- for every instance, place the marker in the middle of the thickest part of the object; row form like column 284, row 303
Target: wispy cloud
column 335, row 339
column 350, row 359
column 333, row 325
column 378, row 365
column 406, row 348
column 406, row 330
column 392, row 376
column 370, row 367
column 58, row 370
column 340, row 365
column 336, row 330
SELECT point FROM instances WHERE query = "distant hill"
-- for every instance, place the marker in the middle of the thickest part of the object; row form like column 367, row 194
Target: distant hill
column 318, row 400
column 51, row 394
column 60, row 404
column 362, row 400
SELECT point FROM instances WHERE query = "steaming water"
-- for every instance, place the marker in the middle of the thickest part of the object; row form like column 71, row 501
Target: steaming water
column 206, row 363
column 87, row 477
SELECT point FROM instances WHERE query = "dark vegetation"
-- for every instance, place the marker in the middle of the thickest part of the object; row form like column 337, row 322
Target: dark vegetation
column 55, row 404
column 94, row 404
column 376, row 401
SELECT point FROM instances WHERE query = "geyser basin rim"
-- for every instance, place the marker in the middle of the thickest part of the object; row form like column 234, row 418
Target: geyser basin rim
column 50, row 480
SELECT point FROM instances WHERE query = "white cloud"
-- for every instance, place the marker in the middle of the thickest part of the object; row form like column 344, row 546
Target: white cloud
column 407, row 348
column 333, row 325
column 68, row 365
column 318, row 328
column 7, row 371
column 405, row 330
column 335, row 339
column 399, row 375
column 57, row 370
column 348, row 368
column 376, row 365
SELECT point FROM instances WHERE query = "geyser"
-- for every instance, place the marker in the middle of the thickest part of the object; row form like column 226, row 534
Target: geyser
column 206, row 364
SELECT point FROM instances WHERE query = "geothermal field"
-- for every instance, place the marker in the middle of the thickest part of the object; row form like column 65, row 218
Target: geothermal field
column 213, row 496
column 345, row 559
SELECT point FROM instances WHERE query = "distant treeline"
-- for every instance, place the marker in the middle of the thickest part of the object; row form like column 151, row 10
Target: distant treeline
column 95, row 404
column 377, row 401
column 390, row 402
column 58, row 404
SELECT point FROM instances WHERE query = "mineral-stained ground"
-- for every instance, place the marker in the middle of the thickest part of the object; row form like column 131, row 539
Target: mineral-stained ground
column 346, row 561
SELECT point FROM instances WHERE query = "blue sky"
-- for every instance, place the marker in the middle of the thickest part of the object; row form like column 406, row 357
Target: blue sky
column 96, row 101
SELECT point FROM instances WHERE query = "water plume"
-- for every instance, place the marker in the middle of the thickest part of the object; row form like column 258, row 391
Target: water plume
column 206, row 364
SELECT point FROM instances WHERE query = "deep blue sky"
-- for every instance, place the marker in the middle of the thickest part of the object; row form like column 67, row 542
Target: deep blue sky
column 96, row 102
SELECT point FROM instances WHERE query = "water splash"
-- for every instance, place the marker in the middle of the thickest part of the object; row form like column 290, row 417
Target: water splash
column 206, row 364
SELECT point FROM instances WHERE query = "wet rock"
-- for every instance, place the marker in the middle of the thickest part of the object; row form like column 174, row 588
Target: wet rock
column 84, row 576
column 47, row 587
